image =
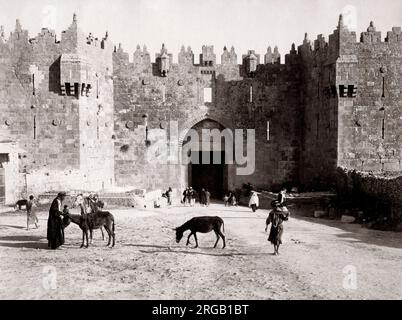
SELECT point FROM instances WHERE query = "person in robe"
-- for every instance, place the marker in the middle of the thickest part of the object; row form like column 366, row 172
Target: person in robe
column 55, row 230
column 280, row 201
column 276, row 218
column 254, row 202
column 207, row 198
column 169, row 195
column 186, row 196
column 203, row 198
column 31, row 216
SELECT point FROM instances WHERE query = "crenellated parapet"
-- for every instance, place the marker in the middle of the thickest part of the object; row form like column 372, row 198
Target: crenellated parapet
column 229, row 57
column 272, row 57
column 142, row 56
column 394, row 36
column 371, row 36
column 186, row 57
column 207, row 57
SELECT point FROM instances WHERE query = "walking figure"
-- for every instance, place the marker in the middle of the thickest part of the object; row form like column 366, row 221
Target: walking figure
column 203, row 197
column 192, row 195
column 276, row 218
column 207, row 198
column 186, row 196
column 254, row 202
column 168, row 195
column 226, row 200
column 31, row 216
column 281, row 198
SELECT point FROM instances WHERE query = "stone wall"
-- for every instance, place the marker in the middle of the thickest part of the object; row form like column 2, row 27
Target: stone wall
column 45, row 122
column 239, row 101
column 370, row 122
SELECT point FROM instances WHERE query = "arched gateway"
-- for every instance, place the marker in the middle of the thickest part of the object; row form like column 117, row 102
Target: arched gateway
column 204, row 153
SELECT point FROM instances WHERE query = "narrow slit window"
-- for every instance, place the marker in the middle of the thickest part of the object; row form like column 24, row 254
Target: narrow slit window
column 34, row 127
column 268, row 131
column 68, row 89
column 342, row 91
column 251, row 94
column 77, row 90
column 351, row 91
column 33, row 84
column 383, row 87
column 383, row 129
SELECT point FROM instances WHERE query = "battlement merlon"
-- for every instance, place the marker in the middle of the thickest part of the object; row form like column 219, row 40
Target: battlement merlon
column 72, row 39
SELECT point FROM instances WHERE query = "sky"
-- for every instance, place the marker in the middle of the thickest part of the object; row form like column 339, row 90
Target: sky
column 244, row 24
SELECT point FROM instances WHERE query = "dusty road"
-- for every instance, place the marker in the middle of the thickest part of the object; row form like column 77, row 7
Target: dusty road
column 319, row 260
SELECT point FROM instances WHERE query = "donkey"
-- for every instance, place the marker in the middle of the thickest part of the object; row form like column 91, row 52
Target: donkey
column 90, row 206
column 92, row 221
column 202, row 225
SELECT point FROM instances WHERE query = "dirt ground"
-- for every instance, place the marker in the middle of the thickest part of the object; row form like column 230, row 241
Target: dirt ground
column 319, row 259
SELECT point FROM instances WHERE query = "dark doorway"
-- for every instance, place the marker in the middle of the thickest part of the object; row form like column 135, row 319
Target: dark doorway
column 208, row 176
column 2, row 186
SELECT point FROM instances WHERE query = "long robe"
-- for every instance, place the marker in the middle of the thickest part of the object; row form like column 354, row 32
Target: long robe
column 276, row 218
column 31, row 216
column 55, row 231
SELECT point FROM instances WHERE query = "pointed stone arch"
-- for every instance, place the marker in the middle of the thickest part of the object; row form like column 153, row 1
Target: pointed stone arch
column 194, row 121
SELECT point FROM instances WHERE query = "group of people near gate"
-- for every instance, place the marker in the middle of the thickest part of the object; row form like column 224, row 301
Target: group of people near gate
column 190, row 197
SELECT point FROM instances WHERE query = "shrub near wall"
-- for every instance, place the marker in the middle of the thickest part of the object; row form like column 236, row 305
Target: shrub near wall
column 378, row 194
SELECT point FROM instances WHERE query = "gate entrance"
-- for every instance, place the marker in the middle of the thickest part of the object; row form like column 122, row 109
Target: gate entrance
column 211, row 177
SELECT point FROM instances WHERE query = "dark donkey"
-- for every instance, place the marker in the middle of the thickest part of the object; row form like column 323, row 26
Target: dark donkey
column 92, row 221
column 202, row 225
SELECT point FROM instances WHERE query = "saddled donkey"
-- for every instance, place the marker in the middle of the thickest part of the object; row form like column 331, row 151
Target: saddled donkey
column 92, row 221
column 202, row 225
column 91, row 205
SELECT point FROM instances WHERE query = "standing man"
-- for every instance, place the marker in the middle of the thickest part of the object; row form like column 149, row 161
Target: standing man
column 280, row 202
column 203, row 198
column 254, row 202
column 207, row 198
column 191, row 195
column 31, row 216
column 55, row 232
column 169, row 195
column 185, row 196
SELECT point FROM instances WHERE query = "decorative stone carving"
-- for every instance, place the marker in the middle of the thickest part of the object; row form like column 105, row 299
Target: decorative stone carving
column 56, row 122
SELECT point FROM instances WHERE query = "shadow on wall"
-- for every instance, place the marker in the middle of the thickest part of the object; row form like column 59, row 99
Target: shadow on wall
column 54, row 77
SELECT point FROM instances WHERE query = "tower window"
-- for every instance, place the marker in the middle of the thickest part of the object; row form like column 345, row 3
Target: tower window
column 342, row 92
column 352, row 90
column 207, row 95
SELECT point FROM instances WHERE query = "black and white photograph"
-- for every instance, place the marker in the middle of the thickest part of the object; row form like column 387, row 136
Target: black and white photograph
column 199, row 150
